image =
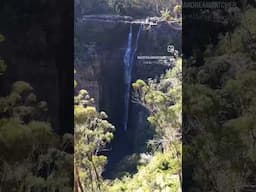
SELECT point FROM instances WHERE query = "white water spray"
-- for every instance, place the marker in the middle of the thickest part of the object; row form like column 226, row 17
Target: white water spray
column 128, row 66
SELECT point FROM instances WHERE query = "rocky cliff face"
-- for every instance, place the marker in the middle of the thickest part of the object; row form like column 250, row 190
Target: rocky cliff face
column 100, row 43
column 100, row 46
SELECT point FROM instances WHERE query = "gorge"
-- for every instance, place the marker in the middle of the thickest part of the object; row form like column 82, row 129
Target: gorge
column 106, row 47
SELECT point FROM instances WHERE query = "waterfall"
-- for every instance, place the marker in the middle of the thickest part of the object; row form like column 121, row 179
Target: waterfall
column 128, row 66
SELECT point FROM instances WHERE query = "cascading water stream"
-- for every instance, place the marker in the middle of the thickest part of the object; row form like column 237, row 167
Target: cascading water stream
column 128, row 66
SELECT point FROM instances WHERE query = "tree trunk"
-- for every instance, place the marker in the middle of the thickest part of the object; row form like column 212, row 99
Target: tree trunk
column 77, row 182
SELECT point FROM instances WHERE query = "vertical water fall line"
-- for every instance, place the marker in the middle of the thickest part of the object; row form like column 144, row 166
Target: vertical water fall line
column 128, row 66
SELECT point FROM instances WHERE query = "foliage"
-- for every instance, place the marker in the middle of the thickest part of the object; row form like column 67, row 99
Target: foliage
column 243, row 37
column 92, row 133
column 165, row 14
column 177, row 10
column 163, row 99
column 160, row 168
column 32, row 156
column 168, row 15
column 135, row 8
column 160, row 174
column 219, row 105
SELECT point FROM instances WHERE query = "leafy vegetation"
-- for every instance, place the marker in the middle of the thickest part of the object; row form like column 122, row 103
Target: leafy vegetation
column 136, row 8
column 219, row 108
column 159, row 167
column 92, row 133
column 160, row 173
column 33, row 157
